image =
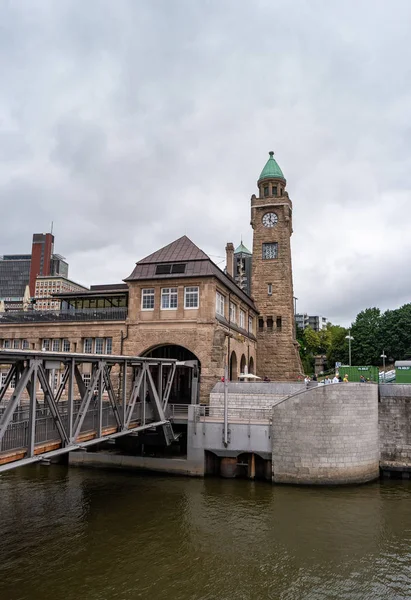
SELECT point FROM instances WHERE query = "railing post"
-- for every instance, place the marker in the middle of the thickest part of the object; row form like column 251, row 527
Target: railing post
column 32, row 412
column 144, row 366
column 124, row 393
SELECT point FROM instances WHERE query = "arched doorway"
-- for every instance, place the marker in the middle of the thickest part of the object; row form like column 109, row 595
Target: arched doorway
column 233, row 367
column 185, row 387
column 251, row 366
column 243, row 363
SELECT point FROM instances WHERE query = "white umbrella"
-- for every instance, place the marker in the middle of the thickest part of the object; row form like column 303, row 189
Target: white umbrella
column 248, row 376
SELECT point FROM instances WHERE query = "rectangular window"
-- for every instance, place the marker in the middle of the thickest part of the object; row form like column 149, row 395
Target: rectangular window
column 88, row 345
column 171, row 268
column 232, row 313
column 109, row 345
column 16, row 344
column 260, row 324
column 270, row 323
column 3, row 379
column 99, row 349
column 56, row 345
column 219, row 304
column 250, row 324
column 242, row 319
column 25, row 344
column 163, row 269
column 179, row 268
column 266, row 191
column 191, row 297
column 270, row 251
column 168, row 298
column 147, row 299
column 270, row 289
column 46, row 345
column 279, row 323
column 87, row 379
column 66, row 346
column 7, row 344
column 274, row 190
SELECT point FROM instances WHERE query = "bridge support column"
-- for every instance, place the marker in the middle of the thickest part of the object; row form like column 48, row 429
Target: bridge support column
column 251, row 467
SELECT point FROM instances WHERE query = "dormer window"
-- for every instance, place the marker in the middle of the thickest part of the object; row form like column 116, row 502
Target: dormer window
column 172, row 269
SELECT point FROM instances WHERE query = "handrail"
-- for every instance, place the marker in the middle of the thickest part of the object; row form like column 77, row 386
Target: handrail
column 319, row 386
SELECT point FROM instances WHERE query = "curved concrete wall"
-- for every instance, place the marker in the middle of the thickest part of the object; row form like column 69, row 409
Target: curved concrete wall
column 327, row 435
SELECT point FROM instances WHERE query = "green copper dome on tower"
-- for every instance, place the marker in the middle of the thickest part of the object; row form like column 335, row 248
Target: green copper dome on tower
column 271, row 169
column 242, row 249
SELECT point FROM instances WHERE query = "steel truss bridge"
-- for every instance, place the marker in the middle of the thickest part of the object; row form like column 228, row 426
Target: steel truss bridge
column 46, row 409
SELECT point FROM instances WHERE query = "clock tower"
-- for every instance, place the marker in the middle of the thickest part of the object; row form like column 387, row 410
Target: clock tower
column 272, row 280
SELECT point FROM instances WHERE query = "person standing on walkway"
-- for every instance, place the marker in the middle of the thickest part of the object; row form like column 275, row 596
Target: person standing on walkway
column 335, row 380
column 345, row 380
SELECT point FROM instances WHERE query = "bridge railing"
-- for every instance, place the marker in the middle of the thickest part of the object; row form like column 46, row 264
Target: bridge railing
column 177, row 411
column 235, row 414
column 17, row 433
column 80, row 314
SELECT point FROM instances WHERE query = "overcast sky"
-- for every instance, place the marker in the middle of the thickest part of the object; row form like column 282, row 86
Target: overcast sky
column 132, row 122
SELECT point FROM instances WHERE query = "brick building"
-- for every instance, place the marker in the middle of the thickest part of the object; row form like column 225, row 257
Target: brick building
column 177, row 303
column 272, row 279
column 47, row 286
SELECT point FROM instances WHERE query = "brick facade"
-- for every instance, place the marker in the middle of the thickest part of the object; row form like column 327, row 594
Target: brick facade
column 278, row 357
column 197, row 330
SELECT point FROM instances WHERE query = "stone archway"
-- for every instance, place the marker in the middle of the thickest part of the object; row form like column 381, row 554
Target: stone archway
column 243, row 364
column 182, row 391
column 251, row 366
column 233, row 367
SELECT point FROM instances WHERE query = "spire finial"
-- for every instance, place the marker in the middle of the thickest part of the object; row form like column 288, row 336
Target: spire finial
column 271, row 153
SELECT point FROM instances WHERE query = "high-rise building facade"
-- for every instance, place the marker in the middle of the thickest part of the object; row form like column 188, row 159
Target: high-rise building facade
column 272, row 282
column 316, row 322
column 19, row 272
column 41, row 256
column 14, row 279
column 49, row 285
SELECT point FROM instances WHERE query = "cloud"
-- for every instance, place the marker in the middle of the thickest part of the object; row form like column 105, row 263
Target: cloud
column 129, row 124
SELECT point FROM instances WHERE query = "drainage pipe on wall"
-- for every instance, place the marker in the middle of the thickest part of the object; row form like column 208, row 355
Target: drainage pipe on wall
column 225, row 438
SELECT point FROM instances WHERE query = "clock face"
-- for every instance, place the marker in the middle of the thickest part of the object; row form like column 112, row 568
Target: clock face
column 270, row 219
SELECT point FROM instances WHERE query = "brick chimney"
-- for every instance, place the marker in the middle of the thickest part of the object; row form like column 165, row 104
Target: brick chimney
column 229, row 252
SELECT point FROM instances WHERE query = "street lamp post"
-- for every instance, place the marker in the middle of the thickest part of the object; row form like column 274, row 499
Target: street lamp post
column 383, row 356
column 349, row 338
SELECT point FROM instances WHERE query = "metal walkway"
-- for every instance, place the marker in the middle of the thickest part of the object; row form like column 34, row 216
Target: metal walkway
column 46, row 408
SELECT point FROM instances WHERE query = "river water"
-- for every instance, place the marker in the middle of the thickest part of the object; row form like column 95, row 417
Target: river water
column 95, row 535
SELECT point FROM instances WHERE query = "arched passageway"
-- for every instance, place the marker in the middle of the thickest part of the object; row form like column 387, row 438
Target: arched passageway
column 243, row 364
column 251, row 366
column 185, row 388
column 233, row 367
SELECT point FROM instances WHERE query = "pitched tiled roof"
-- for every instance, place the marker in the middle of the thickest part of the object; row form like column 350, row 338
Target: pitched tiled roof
column 181, row 250
column 198, row 264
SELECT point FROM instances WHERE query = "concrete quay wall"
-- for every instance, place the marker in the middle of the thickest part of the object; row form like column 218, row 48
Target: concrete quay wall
column 245, row 396
column 112, row 460
column 327, row 435
column 395, row 423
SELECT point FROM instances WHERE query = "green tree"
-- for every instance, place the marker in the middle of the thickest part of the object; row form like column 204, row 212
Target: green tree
column 366, row 345
column 338, row 348
column 395, row 333
column 311, row 340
